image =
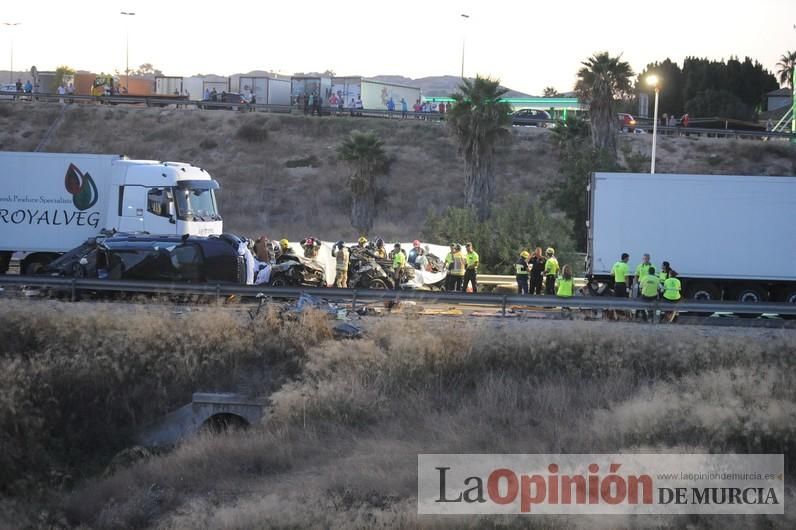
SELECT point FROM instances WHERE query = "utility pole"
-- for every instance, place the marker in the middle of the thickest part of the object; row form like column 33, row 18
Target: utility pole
column 127, row 53
column 11, row 25
column 464, row 31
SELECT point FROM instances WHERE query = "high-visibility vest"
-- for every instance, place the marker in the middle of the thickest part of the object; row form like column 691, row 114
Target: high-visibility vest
column 620, row 270
column 342, row 259
column 459, row 263
column 398, row 260
column 565, row 287
column 472, row 259
column 671, row 289
column 551, row 266
column 649, row 285
column 642, row 270
column 521, row 268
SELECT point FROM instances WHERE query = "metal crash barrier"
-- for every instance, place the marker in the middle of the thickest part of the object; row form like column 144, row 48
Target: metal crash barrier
column 74, row 285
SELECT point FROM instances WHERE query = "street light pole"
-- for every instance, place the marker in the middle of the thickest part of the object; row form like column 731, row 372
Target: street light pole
column 127, row 53
column 464, row 17
column 11, row 73
column 653, row 80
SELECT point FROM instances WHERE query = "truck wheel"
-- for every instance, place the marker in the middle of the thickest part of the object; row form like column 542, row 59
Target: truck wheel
column 703, row 292
column 749, row 294
column 788, row 296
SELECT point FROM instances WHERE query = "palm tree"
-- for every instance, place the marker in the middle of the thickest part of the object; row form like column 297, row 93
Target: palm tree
column 550, row 92
column 478, row 119
column 602, row 80
column 785, row 69
column 364, row 152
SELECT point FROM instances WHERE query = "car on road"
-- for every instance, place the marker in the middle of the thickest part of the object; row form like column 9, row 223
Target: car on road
column 230, row 100
column 167, row 258
column 8, row 87
column 531, row 117
column 627, row 123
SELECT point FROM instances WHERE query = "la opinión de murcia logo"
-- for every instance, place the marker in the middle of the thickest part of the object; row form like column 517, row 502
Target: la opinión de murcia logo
column 593, row 484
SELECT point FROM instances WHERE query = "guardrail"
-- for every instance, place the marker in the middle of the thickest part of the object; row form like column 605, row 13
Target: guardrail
column 74, row 285
column 159, row 100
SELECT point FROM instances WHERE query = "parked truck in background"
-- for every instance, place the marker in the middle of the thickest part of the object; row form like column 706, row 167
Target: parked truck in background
column 729, row 237
column 53, row 202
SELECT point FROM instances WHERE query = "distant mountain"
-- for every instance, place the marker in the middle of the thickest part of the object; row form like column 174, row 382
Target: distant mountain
column 436, row 86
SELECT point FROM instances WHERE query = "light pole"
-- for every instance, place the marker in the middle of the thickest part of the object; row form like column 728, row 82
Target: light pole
column 653, row 81
column 464, row 19
column 127, row 53
column 11, row 73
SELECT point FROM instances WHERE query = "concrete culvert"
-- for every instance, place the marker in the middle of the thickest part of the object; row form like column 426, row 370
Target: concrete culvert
column 224, row 422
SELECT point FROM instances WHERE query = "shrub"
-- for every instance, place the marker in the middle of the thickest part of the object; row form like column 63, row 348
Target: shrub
column 208, row 143
column 252, row 133
column 74, row 385
column 310, row 161
column 520, row 224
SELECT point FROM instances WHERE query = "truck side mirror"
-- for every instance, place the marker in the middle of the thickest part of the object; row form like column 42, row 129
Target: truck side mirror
column 172, row 212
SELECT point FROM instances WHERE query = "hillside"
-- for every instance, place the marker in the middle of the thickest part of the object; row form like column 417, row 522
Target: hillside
column 436, row 86
column 280, row 176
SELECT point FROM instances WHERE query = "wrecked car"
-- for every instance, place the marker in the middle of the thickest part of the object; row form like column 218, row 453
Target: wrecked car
column 221, row 258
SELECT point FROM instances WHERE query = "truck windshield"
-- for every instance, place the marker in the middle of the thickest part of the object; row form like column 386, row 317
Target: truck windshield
column 196, row 204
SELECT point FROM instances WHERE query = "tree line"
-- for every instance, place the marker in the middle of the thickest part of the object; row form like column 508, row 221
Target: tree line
column 702, row 87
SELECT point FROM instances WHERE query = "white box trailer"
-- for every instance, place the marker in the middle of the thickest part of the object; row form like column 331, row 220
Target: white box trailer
column 267, row 90
column 53, row 202
column 728, row 236
column 375, row 94
column 169, row 85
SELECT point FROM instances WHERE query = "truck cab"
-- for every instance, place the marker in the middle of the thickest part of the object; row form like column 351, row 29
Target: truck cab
column 165, row 198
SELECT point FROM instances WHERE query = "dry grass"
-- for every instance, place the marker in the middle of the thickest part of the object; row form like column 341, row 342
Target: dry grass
column 340, row 445
column 261, row 193
column 75, row 381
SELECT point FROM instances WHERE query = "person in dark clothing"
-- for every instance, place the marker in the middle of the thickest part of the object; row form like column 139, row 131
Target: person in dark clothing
column 318, row 101
column 537, row 271
column 521, row 272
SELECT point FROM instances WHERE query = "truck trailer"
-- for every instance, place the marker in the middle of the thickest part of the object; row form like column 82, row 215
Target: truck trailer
column 53, row 202
column 267, row 90
column 729, row 237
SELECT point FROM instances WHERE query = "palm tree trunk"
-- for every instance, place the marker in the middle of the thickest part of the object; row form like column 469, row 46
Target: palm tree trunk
column 362, row 208
column 479, row 185
column 363, row 203
column 603, row 124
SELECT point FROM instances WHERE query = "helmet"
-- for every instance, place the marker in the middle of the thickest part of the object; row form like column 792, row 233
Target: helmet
column 550, row 251
column 380, row 242
column 416, row 243
column 397, row 245
column 340, row 244
column 525, row 254
column 363, row 240
column 284, row 243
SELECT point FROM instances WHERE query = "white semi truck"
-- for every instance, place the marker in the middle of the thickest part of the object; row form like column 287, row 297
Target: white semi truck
column 728, row 237
column 53, row 202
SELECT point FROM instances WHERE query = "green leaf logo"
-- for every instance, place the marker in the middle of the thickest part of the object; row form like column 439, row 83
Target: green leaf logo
column 82, row 187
